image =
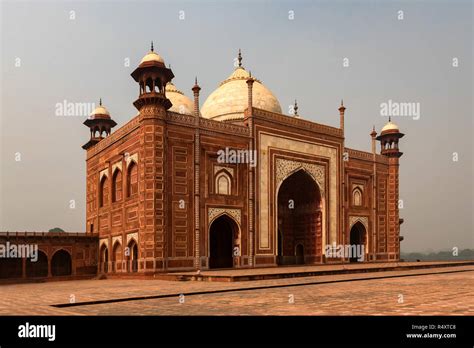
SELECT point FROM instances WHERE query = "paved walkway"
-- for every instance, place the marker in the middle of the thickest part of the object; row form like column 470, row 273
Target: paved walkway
column 443, row 291
column 282, row 272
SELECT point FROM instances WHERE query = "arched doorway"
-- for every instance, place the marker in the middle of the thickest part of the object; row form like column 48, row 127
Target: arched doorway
column 11, row 267
column 299, row 253
column 358, row 238
column 104, row 259
column 38, row 268
column 132, row 258
column 61, row 263
column 222, row 233
column 117, row 257
column 299, row 219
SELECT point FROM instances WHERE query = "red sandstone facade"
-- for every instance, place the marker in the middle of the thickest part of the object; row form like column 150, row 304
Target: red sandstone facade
column 153, row 189
column 160, row 199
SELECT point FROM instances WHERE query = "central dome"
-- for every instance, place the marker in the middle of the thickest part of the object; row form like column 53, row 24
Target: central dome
column 229, row 101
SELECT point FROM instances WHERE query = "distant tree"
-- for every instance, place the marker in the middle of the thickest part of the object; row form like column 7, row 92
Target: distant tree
column 56, row 229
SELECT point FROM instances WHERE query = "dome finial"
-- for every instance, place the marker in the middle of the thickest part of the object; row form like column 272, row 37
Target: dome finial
column 240, row 58
column 389, row 118
column 152, row 49
column 295, row 108
column 342, row 102
column 196, row 80
column 100, row 101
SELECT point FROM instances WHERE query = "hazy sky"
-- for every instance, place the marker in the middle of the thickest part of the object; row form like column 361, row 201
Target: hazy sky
column 50, row 54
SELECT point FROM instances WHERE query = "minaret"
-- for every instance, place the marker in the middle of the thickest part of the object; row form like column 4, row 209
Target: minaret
column 154, row 193
column 196, row 90
column 341, row 109
column 197, row 179
column 373, row 134
column 249, row 122
column 100, row 124
column 389, row 137
column 152, row 76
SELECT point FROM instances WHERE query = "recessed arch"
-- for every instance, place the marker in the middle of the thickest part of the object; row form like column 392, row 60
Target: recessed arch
column 224, row 241
column 117, row 256
column 299, row 214
column 223, row 183
column 11, row 267
column 38, row 268
column 132, row 178
column 357, row 197
column 117, row 185
column 358, row 241
column 61, row 263
column 104, row 258
column 132, row 256
column 103, row 191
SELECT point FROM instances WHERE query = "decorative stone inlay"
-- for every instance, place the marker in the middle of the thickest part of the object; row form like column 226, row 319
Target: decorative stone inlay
column 229, row 169
column 104, row 241
column 364, row 220
column 132, row 236
column 267, row 193
column 297, row 122
column 285, row 167
column 116, row 238
column 223, row 127
column 212, row 213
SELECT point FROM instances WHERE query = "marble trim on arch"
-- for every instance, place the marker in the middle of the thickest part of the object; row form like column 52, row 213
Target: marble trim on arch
column 229, row 169
column 104, row 241
column 117, row 165
column 133, row 236
column 285, row 167
column 213, row 213
column 116, row 238
column 131, row 158
column 364, row 220
column 102, row 173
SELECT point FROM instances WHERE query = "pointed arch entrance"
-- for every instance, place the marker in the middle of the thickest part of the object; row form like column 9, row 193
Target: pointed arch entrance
column 132, row 256
column 222, row 234
column 104, row 259
column 358, row 238
column 299, row 221
column 38, row 268
column 61, row 263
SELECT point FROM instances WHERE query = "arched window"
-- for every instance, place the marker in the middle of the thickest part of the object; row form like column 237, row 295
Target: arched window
column 117, row 186
column 357, row 197
column 223, row 184
column 132, row 179
column 149, row 85
column 103, row 191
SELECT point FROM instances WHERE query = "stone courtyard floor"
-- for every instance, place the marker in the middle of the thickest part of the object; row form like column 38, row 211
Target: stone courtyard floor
column 436, row 291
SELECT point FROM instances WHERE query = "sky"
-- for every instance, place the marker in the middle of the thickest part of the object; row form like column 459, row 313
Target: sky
column 80, row 51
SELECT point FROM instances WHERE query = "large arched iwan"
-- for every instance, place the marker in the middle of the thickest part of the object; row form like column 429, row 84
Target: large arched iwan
column 299, row 234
